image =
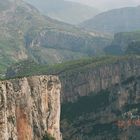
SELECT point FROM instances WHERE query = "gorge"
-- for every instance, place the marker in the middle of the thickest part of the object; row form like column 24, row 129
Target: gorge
column 96, row 96
column 71, row 82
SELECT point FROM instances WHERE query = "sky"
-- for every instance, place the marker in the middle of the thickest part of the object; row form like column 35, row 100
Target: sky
column 109, row 4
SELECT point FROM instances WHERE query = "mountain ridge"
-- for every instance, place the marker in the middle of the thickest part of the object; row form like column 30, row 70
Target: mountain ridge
column 66, row 11
column 116, row 20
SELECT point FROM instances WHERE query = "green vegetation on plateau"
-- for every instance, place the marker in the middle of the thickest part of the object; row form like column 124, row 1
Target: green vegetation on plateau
column 28, row 68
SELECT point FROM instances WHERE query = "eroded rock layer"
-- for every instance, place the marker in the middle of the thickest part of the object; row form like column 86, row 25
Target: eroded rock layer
column 30, row 108
column 102, row 103
column 82, row 82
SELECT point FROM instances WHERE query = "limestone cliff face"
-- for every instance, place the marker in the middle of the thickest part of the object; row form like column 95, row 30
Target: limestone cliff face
column 95, row 79
column 102, row 103
column 30, row 108
column 111, row 114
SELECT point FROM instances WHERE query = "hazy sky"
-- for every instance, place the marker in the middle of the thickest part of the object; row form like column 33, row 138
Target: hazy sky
column 109, row 4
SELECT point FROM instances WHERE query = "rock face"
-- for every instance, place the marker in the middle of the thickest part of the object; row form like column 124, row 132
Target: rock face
column 30, row 108
column 111, row 114
column 100, row 99
column 102, row 103
column 97, row 78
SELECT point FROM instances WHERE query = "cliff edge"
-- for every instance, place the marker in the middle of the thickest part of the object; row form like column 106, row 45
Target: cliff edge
column 30, row 108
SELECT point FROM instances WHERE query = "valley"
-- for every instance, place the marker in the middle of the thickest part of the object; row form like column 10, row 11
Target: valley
column 64, row 76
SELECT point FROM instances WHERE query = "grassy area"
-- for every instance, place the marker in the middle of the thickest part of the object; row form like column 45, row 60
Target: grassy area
column 48, row 137
column 27, row 68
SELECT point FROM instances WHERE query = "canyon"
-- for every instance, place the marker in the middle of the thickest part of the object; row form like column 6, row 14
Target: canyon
column 99, row 97
column 60, row 81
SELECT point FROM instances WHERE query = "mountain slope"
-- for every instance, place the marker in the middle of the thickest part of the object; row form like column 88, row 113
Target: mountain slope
column 65, row 11
column 26, row 34
column 117, row 20
column 125, row 43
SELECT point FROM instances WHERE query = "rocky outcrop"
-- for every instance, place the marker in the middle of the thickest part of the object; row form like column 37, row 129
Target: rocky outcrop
column 30, row 108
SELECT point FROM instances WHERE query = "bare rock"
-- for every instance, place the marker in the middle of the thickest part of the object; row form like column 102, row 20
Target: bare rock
column 30, row 108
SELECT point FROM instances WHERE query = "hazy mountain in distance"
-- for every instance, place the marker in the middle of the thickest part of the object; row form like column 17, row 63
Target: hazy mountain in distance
column 27, row 34
column 105, row 5
column 66, row 11
column 117, row 20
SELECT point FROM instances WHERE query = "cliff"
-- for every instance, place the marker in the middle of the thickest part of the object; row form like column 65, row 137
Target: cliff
column 30, row 108
column 100, row 97
column 97, row 76
column 80, row 77
column 111, row 114
column 102, row 102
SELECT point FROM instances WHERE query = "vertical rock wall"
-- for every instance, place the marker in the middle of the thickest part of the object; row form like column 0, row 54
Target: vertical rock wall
column 95, row 79
column 30, row 108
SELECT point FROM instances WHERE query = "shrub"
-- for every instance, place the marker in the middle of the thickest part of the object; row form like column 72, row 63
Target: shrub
column 48, row 137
